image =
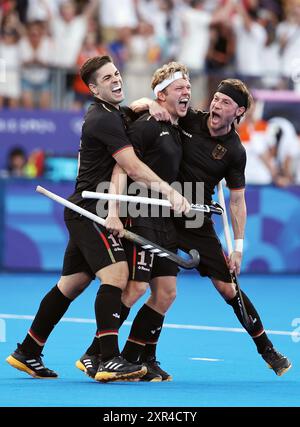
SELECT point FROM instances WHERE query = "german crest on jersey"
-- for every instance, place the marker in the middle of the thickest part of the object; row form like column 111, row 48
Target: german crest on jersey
column 219, row 152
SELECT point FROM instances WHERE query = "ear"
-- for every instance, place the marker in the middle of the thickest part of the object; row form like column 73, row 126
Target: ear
column 240, row 111
column 161, row 96
column 93, row 89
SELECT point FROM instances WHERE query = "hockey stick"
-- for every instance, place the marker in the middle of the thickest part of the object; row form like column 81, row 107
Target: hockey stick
column 144, row 243
column 248, row 321
column 214, row 208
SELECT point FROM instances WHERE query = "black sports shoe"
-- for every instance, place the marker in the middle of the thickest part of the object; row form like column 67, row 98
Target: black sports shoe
column 119, row 369
column 89, row 364
column 32, row 365
column 276, row 361
column 155, row 371
column 152, row 376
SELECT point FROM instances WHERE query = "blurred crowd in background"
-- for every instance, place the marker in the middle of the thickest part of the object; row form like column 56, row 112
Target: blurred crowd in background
column 44, row 42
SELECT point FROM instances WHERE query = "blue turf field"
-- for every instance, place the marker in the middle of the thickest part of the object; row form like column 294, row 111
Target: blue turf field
column 211, row 367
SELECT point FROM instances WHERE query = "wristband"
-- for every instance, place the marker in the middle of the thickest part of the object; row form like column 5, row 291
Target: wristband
column 238, row 245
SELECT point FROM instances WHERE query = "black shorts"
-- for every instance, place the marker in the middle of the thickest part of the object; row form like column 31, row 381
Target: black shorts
column 144, row 265
column 90, row 248
column 205, row 240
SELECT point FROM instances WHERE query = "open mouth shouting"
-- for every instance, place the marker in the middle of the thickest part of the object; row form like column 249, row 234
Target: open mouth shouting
column 117, row 90
column 215, row 118
column 183, row 104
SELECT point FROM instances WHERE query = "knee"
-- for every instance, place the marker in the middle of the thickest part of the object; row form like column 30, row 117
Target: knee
column 133, row 292
column 164, row 298
column 73, row 290
column 226, row 290
column 229, row 293
column 115, row 274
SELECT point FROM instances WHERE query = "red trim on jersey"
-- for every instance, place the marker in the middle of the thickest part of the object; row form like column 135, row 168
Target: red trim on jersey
column 236, row 189
column 104, row 240
column 133, row 262
column 121, row 149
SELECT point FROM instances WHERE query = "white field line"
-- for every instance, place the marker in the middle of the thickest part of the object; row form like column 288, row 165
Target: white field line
column 166, row 325
column 206, row 359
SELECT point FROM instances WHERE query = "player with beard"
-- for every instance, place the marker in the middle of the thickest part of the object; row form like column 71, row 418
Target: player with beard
column 212, row 150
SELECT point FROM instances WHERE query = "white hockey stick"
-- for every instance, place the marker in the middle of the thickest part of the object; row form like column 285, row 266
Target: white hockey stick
column 144, row 243
column 248, row 322
column 214, row 208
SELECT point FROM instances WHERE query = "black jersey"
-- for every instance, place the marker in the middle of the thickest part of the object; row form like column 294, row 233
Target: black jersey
column 209, row 158
column 159, row 146
column 103, row 136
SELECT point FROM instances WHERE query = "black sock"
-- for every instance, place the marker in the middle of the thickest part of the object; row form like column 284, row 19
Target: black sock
column 145, row 325
column 94, row 348
column 52, row 308
column 258, row 334
column 150, row 348
column 124, row 313
column 107, row 309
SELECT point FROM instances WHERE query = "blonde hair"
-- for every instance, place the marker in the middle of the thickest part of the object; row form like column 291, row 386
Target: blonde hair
column 166, row 71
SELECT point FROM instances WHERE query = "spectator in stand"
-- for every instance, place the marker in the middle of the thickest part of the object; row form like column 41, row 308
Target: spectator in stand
column 271, row 76
column 165, row 18
column 114, row 15
column 194, row 42
column 68, row 31
column 38, row 10
column 272, row 149
column 220, row 55
column 252, row 131
column 16, row 163
column 118, row 47
column 143, row 55
column 288, row 33
column 21, row 166
column 91, row 47
column 36, row 49
column 251, row 38
column 283, row 141
column 10, row 84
